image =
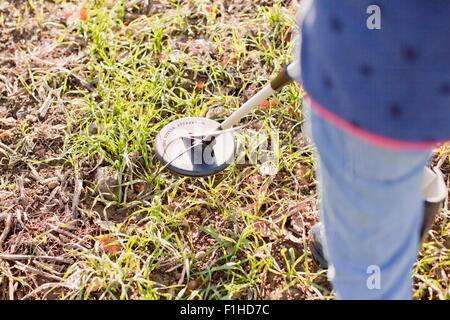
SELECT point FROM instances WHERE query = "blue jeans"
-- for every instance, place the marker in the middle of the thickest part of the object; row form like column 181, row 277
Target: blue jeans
column 372, row 209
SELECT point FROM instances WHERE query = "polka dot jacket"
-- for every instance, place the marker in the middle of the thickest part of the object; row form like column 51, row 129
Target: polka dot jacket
column 389, row 85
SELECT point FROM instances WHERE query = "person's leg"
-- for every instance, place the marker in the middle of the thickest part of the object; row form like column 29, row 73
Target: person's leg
column 372, row 208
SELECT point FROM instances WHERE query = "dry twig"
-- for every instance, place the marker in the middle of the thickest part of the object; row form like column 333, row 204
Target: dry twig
column 41, row 273
column 76, row 196
column 7, row 228
column 16, row 257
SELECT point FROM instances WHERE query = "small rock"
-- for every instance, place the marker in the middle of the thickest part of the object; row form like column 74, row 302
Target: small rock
column 139, row 187
column 21, row 114
column 217, row 112
column 93, row 128
column 40, row 153
column 268, row 169
column 27, row 181
column 105, row 225
column 31, row 118
column 3, row 111
column 52, row 184
column 195, row 284
column 297, row 223
column 200, row 255
column 5, row 135
column 7, row 123
column 107, row 183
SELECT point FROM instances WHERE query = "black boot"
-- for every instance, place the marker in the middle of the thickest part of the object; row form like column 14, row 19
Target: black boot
column 317, row 236
column 435, row 193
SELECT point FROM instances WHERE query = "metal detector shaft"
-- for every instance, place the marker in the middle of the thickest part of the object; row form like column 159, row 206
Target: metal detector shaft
column 289, row 74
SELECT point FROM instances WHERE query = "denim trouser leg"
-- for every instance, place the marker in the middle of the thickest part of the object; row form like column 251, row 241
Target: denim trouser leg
column 372, row 210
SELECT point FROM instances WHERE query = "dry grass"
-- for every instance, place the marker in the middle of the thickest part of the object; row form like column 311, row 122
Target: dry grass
column 85, row 213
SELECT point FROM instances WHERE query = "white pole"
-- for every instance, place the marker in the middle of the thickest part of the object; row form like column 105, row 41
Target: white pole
column 234, row 118
column 292, row 71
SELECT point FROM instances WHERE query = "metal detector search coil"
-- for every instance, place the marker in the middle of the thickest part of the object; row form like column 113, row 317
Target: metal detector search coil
column 197, row 147
column 181, row 148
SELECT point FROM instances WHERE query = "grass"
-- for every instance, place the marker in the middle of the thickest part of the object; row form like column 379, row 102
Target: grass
column 142, row 87
column 153, row 235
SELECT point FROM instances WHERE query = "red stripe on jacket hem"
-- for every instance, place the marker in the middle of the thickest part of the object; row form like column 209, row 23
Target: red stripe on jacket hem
column 370, row 137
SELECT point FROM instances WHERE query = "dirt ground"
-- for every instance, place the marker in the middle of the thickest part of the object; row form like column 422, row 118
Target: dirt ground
column 68, row 231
